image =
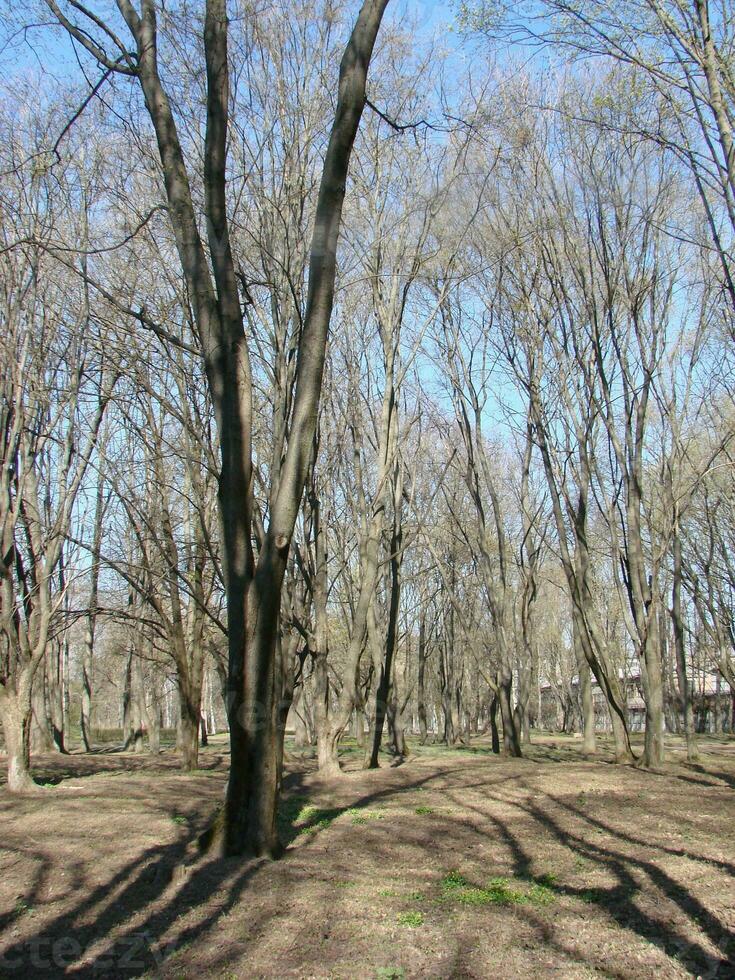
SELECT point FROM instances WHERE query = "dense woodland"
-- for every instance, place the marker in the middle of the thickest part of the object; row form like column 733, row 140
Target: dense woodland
column 496, row 496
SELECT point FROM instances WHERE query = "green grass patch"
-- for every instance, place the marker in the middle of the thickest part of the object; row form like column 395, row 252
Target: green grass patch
column 423, row 810
column 498, row 891
column 454, row 880
column 296, row 816
column 358, row 816
column 412, row 919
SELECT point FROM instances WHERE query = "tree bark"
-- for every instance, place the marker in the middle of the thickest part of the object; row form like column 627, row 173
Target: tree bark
column 16, row 718
column 253, row 787
column 685, row 694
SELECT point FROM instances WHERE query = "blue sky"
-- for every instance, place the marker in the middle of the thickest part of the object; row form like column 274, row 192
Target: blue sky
column 41, row 49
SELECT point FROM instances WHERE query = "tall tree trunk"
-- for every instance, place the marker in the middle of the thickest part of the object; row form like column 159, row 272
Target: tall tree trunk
column 42, row 729
column 420, row 684
column 327, row 760
column 16, row 714
column 188, row 734
column 587, row 702
column 494, row 734
column 253, row 787
column 685, row 694
column 511, row 741
column 386, row 667
column 85, row 719
column 134, row 713
column 653, row 690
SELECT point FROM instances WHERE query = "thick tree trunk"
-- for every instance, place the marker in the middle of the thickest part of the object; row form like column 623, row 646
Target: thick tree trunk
column 16, row 718
column 189, row 724
column 248, row 822
column 134, row 713
column 653, row 689
column 326, row 750
column 511, row 741
column 396, row 728
column 256, row 742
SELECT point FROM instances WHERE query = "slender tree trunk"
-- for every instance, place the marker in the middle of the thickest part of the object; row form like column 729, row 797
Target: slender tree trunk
column 420, row 684
column 154, row 727
column 301, row 732
column 587, row 702
column 685, row 695
column 327, row 759
column 55, row 694
column 576, row 570
column 494, row 734
column 85, row 720
column 386, row 667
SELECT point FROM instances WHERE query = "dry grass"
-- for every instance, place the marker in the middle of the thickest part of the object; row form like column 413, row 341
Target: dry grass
column 456, row 864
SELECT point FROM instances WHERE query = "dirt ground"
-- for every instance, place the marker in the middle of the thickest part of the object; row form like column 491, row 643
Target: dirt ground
column 455, row 864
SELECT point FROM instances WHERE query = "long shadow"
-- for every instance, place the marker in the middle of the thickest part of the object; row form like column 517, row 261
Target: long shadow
column 131, row 923
column 726, row 777
column 62, row 945
column 617, row 902
column 108, row 762
column 617, row 899
column 69, row 944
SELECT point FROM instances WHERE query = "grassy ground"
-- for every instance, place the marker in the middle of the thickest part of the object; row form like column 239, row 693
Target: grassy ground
column 455, row 864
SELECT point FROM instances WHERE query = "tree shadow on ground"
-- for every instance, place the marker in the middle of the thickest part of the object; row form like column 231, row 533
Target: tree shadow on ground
column 618, row 899
column 79, row 942
column 52, row 770
column 163, row 901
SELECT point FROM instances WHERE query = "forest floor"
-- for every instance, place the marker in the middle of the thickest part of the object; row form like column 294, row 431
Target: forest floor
column 455, row 864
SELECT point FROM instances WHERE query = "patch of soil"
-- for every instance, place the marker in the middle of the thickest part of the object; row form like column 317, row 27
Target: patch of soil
column 456, row 864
